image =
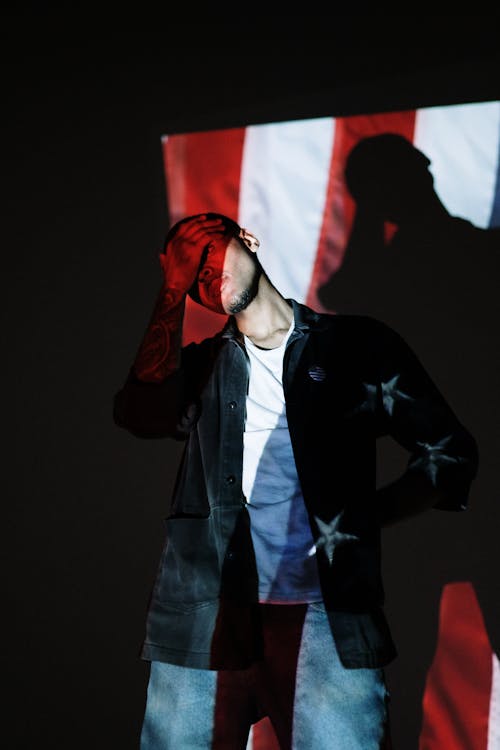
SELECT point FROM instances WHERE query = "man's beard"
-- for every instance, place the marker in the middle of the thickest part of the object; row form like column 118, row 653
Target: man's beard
column 241, row 301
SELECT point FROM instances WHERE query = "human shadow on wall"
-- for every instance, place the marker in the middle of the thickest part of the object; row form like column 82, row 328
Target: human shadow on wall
column 434, row 278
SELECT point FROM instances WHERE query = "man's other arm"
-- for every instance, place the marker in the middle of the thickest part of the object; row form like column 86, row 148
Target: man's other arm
column 443, row 457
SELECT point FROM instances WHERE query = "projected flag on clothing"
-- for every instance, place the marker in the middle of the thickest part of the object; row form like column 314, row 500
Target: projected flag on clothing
column 286, row 183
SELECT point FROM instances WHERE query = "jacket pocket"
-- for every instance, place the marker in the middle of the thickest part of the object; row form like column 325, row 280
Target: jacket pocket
column 189, row 568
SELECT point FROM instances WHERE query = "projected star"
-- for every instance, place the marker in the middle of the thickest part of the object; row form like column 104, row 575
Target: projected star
column 435, row 456
column 330, row 537
column 391, row 394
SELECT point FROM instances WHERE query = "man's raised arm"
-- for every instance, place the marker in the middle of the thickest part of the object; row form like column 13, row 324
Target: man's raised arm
column 150, row 402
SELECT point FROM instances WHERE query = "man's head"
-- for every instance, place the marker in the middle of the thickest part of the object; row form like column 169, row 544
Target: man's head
column 229, row 270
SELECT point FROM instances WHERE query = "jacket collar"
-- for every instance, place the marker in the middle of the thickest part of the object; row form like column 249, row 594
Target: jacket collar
column 305, row 319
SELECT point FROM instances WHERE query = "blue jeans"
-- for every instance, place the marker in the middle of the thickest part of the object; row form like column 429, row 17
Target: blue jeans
column 311, row 699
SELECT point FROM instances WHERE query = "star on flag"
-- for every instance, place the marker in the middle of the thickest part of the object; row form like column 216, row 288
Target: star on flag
column 330, row 537
column 435, row 456
column 391, row 394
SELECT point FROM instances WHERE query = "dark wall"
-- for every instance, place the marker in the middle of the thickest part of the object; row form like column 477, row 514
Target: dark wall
column 84, row 217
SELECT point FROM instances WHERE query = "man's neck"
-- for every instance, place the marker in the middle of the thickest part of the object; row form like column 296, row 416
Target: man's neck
column 267, row 318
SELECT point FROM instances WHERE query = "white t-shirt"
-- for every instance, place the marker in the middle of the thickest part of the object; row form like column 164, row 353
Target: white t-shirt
column 281, row 533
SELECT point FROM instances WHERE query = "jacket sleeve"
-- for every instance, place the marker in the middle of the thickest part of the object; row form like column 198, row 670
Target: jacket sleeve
column 157, row 410
column 419, row 418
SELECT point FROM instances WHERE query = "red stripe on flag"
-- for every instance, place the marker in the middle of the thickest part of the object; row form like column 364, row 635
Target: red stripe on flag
column 264, row 736
column 458, row 688
column 202, row 173
column 339, row 208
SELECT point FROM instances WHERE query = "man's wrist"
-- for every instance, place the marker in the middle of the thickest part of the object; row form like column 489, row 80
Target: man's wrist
column 172, row 296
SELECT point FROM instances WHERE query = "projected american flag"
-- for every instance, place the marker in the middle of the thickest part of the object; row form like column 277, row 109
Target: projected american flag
column 285, row 182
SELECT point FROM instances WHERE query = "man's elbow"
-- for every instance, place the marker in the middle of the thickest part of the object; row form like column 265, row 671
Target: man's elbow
column 147, row 413
column 137, row 419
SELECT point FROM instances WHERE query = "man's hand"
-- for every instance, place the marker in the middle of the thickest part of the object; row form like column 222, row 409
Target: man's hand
column 182, row 256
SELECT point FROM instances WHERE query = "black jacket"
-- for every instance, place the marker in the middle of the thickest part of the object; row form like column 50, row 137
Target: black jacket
column 348, row 380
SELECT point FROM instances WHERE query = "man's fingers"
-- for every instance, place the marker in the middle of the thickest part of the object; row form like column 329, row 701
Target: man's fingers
column 198, row 226
column 195, row 235
column 202, row 236
column 195, row 243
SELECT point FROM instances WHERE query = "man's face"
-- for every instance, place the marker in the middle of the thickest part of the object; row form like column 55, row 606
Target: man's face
column 229, row 276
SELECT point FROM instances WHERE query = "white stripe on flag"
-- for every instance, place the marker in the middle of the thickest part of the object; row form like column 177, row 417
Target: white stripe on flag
column 250, row 735
column 284, row 179
column 462, row 143
column 494, row 718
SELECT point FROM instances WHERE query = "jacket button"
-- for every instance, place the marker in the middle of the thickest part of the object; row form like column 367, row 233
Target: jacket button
column 232, row 405
column 230, row 479
column 230, row 554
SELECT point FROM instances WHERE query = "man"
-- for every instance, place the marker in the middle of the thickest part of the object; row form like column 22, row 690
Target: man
column 269, row 599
